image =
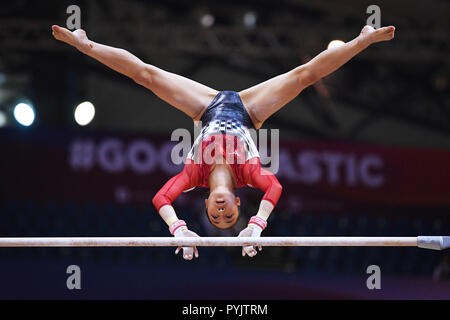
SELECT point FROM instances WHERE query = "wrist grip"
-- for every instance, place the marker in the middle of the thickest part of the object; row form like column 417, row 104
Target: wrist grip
column 176, row 225
column 260, row 222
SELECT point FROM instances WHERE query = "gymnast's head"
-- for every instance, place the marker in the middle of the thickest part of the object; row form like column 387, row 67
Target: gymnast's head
column 222, row 208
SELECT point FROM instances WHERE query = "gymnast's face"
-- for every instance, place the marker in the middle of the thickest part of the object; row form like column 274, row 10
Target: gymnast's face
column 222, row 208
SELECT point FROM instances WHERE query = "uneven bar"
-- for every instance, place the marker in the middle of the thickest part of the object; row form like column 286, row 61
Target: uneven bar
column 428, row 242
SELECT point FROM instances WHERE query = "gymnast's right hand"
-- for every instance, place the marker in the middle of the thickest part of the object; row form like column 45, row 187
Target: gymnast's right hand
column 188, row 252
column 77, row 38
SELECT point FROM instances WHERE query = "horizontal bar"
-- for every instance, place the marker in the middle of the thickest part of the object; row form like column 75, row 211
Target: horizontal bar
column 206, row 241
column 429, row 242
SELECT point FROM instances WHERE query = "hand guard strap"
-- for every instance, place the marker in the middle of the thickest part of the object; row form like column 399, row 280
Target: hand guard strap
column 176, row 225
column 260, row 222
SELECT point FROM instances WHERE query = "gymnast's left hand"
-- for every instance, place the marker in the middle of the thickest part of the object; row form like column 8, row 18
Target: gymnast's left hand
column 250, row 231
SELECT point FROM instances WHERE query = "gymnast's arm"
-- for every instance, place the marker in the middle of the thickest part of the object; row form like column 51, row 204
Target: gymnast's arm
column 163, row 204
column 267, row 182
column 168, row 193
column 184, row 94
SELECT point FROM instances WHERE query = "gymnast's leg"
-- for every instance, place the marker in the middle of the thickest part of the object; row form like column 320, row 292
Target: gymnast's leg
column 264, row 99
column 184, row 94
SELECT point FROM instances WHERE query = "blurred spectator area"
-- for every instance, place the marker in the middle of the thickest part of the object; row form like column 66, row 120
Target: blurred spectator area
column 393, row 93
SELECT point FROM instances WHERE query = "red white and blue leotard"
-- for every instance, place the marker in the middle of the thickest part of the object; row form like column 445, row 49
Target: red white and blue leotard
column 225, row 132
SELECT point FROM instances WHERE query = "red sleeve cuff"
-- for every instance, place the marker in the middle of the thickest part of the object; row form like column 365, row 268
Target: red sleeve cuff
column 274, row 203
column 160, row 201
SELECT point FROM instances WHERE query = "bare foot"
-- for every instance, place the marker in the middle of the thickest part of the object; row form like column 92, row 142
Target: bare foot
column 369, row 35
column 77, row 38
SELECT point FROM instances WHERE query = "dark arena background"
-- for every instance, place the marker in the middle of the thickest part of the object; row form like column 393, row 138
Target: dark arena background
column 363, row 152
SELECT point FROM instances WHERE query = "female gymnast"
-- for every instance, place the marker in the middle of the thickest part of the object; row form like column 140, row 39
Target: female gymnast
column 223, row 156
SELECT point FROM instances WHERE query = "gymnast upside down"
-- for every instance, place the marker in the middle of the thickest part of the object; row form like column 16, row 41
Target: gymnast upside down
column 232, row 159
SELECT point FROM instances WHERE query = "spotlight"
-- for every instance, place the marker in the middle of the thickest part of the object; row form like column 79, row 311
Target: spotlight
column 207, row 20
column 24, row 114
column 335, row 44
column 84, row 113
column 250, row 19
